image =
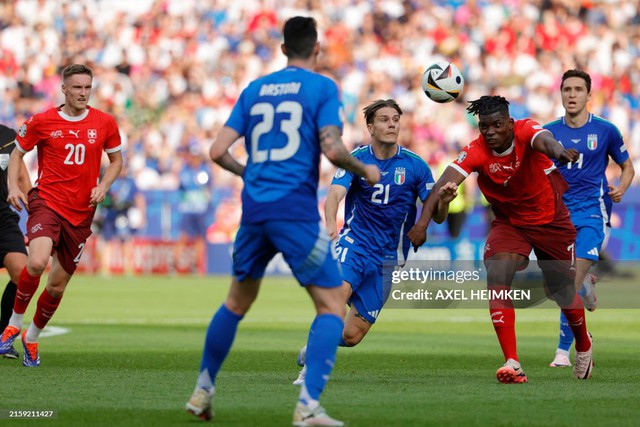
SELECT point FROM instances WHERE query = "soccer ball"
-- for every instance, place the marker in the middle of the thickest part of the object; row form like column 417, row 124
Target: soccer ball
column 442, row 82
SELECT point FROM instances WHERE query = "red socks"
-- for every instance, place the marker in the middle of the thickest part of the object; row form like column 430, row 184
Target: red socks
column 47, row 305
column 27, row 286
column 575, row 317
column 503, row 317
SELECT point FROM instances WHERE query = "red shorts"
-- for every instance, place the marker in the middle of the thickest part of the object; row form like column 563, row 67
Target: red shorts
column 68, row 239
column 553, row 241
column 554, row 246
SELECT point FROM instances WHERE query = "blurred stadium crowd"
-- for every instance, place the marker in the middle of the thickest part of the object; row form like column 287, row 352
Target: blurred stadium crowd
column 170, row 70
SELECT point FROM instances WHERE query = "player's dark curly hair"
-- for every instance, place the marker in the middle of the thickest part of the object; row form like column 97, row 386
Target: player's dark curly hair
column 370, row 110
column 577, row 73
column 488, row 105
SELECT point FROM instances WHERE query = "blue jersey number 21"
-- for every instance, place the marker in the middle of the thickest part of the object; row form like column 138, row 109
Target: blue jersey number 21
column 289, row 127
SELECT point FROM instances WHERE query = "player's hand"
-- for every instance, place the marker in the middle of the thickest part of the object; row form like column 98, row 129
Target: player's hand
column 417, row 235
column 615, row 193
column 16, row 196
column 570, row 155
column 448, row 192
column 372, row 174
column 332, row 230
column 97, row 196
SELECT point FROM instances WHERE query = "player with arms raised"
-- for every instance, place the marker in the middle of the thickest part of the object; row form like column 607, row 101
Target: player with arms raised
column 70, row 139
column 374, row 234
column 525, row 190
column 287, row 119
column 589, row 197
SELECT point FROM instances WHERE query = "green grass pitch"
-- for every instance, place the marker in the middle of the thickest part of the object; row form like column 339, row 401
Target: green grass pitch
column 133, row 348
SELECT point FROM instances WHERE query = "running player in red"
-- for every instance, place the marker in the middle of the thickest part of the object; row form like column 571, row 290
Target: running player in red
column 516, row 175
column 61, row 205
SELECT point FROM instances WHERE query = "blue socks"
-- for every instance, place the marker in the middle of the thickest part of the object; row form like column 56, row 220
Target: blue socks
column 220, row 336
column 566, row 336
column 324, row 336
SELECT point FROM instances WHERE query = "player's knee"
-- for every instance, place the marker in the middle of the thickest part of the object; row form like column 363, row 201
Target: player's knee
column 37, row 265
column 56, row 290
column 351, row 338
column 239, row 307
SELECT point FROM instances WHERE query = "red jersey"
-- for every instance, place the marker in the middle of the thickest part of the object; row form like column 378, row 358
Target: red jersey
column 514, row 182
column 69, row 156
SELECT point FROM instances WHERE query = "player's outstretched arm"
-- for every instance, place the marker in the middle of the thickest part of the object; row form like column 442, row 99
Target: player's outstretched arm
column 334, row 197
column 626, row 177
column 332, row 147
column 545, row 143
column 99, row 192
column 219, row 151
column 434, row 207
column 16, row 192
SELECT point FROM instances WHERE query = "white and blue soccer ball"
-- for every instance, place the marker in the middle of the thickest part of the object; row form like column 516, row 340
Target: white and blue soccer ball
column 442, row 82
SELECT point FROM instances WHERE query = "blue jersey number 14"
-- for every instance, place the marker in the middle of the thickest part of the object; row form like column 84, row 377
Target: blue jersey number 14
column 578, row 163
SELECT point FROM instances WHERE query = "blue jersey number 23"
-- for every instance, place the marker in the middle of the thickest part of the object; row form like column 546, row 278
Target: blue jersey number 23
column 289, row 127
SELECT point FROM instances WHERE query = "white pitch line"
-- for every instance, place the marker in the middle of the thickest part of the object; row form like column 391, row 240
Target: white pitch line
column 51, row 331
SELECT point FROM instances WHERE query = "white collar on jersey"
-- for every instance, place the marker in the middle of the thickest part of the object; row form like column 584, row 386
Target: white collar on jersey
column 506, row 152
column 73, row 118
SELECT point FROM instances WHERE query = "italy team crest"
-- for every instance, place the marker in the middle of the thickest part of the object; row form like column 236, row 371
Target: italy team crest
column 399, row 176
column 592, row 141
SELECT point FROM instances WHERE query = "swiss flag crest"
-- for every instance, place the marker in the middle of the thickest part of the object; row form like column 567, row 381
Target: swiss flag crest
column 399, row 176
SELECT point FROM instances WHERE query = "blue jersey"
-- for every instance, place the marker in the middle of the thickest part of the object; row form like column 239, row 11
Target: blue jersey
column 596, row 141
column 378, row 217
column 194, row 187
column 280, row 116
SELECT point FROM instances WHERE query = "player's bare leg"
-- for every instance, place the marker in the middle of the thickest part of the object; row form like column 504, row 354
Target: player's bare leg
column 355, row 328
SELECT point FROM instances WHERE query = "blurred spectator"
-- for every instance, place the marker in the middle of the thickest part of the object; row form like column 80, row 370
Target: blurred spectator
column 167, row 66
column 121, row 216
column 194, row 208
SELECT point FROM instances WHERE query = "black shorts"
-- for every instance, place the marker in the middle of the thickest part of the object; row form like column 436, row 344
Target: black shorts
column 11, row 238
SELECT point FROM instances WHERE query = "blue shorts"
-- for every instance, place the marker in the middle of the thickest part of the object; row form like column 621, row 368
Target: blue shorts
column 591, row 238
column 194, row 225
column 305, row 246
column 364, row 274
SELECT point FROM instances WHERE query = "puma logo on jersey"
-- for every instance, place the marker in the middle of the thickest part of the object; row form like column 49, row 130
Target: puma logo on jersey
column 36, row 227
column 75, row 133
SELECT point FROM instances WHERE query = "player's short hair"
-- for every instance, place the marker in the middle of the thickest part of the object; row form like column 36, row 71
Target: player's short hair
column 488, row 105
column 370, row 110
column 73, row 69
column 300, row 37
column 577, row 73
